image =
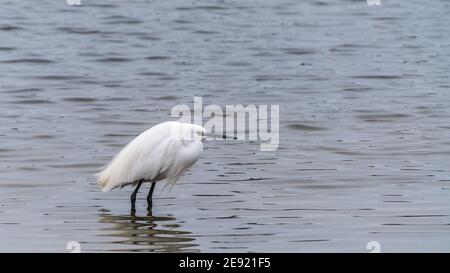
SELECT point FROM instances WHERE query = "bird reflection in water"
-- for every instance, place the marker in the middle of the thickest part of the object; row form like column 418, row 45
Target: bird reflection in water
column 147, row 233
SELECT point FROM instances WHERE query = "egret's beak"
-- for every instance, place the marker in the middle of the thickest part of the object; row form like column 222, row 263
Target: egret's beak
column 215, row 135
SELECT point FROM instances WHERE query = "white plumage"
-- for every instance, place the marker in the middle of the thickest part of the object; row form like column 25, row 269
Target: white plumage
column 164, row 151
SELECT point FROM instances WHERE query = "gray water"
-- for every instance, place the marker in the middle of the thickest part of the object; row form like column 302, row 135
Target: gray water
column 364, row 126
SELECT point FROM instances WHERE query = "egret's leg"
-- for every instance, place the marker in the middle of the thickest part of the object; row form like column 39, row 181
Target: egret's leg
column 149, row 212
column 149, row 196
column 133, row 196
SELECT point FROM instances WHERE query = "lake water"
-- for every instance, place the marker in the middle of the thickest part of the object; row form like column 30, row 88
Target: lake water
column 364, row 102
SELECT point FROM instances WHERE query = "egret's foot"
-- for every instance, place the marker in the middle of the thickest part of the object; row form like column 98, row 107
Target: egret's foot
column 133, row 211
column 149, row 212
column 133, row 207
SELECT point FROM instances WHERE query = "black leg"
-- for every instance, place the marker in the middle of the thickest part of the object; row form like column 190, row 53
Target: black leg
column 133, row 197
column 149, row 196
column 149, row 212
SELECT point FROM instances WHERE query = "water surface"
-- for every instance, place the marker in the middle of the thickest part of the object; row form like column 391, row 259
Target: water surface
column 364, row 100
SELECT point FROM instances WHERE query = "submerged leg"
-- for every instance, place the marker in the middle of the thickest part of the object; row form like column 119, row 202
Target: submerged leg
column 133, row 196
column 149, row 212
column 149, row 196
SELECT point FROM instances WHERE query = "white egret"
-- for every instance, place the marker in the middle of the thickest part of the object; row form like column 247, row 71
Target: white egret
column 164, row 151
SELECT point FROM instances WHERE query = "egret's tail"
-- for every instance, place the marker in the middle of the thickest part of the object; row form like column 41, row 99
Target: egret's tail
column 103, row 181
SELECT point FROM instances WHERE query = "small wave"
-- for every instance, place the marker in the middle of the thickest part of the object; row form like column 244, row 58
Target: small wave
column 28, row 61
column 304, row 127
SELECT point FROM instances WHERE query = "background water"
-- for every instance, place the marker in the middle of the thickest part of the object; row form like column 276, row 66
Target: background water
column 364, row 101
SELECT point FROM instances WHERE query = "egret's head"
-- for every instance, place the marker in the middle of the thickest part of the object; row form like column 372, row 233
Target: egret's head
column 193, row 132
column 199, row 132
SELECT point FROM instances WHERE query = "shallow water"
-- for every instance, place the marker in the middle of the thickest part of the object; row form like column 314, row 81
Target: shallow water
column 364, row 101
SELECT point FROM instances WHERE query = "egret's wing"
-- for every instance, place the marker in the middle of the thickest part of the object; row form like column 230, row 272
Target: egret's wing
column 158, row 153
column 139, row 159
column 160, row 162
